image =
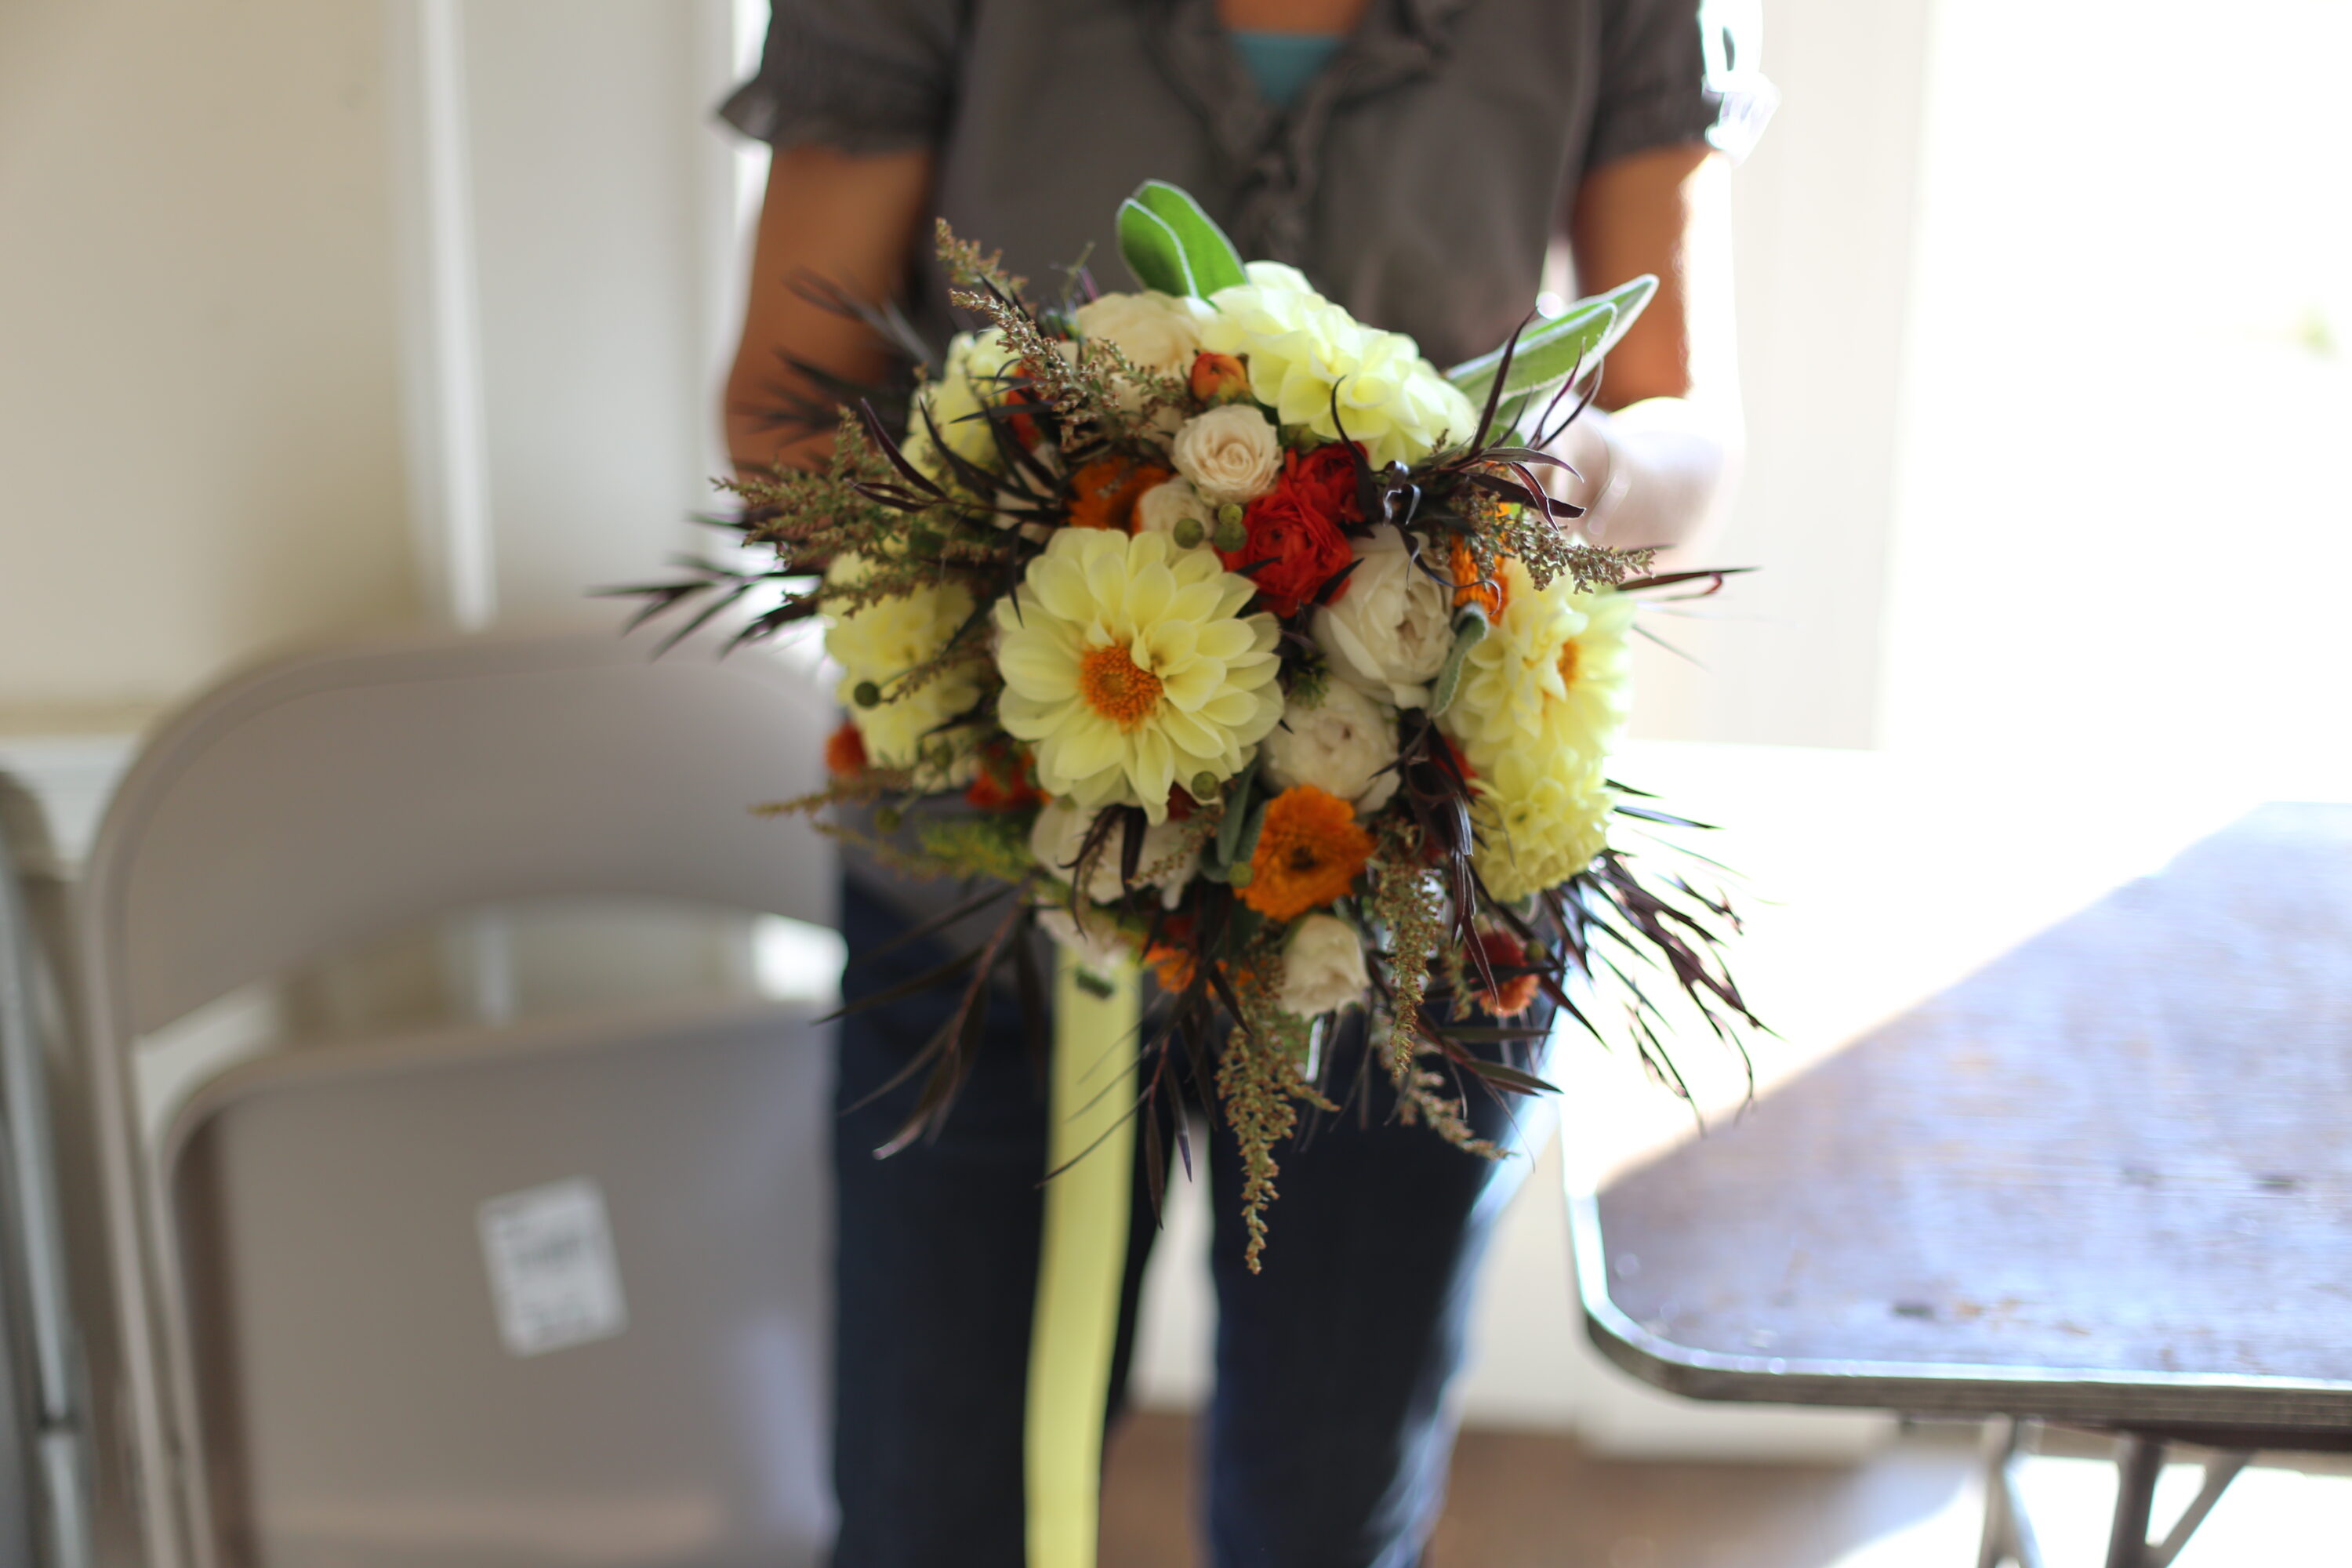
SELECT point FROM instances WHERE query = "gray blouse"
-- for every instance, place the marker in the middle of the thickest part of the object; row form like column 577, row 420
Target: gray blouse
column 1418, row 180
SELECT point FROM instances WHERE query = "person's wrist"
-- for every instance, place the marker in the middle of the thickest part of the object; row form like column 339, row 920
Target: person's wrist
column 1612, row 484
column 1602, row 477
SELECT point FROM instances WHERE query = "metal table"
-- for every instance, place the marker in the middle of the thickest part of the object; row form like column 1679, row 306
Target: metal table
column 2105, row 1181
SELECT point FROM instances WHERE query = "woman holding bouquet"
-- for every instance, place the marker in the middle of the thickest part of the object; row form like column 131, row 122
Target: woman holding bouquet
column 1419, row 160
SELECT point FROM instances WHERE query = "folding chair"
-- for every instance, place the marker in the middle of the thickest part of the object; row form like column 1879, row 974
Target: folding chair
column 44, row 1449
column 502, row 1291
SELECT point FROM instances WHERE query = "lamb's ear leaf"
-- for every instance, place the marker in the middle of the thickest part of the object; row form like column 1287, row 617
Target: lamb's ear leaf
column 1152, row 251
column 1553, row 352
column 1209, row 256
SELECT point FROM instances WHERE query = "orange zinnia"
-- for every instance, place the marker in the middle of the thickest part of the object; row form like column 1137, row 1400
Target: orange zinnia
column 1103, row 494
column 1309, row 851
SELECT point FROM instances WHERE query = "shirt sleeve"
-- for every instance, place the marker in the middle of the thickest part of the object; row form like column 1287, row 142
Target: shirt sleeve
column 863, row 76
column 1675, row 71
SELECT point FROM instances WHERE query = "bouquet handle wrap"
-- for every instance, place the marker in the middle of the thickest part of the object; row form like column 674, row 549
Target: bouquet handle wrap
column 1081, row 1261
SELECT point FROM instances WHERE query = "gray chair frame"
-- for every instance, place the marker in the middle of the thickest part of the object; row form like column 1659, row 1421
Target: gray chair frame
column 327, row 797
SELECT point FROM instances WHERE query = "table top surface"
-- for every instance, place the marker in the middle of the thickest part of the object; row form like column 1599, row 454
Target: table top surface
column 2108, row 1176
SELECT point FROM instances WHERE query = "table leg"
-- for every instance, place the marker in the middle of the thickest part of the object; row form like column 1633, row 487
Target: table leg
column 2138, row 1462
column 2008, row 1532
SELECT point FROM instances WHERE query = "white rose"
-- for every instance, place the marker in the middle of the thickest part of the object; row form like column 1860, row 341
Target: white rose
column 1155, row 331
column 1096, row 945
column 1345, row 745
column 1322, row 967
column 1170, row 502
column 1390, row 631
column 1060, row 832
column 1230, row 453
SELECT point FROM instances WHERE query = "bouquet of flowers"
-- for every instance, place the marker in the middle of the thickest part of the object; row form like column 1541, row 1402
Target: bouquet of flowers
column 1209, row 628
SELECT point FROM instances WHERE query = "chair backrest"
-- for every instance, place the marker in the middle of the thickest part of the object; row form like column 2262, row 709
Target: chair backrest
column 327, row 798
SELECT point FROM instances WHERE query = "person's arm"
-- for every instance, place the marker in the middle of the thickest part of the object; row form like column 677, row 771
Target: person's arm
column 1658, row 459
column 853, row 220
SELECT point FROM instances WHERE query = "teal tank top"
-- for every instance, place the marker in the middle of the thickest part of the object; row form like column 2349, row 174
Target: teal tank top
column 1283, row 63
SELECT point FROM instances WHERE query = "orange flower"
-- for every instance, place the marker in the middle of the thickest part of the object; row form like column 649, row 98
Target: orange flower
column 1003, row 782
column 1171, row 963
column 1103, row 494
column 1024, row 429
column 1489, row 596
column 1307, row 853
column 1219, row 378
column 844, row 752
column 1514, row 993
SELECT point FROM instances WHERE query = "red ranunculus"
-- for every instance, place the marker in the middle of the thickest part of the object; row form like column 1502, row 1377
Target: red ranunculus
column 1294, row 528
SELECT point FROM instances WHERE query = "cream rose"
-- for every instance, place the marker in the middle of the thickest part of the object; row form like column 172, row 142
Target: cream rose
column 1345, row 745
column 1170, row 502
column 1060, row 832
column 1322, row 967
column 1390, row 631
column 1230, row 453
column 1155, row 331
column 1096, row 945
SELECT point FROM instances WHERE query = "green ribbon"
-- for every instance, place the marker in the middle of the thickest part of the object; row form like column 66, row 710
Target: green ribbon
column 1081, row 1265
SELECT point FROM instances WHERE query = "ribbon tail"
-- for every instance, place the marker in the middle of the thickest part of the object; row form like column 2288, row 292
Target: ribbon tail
column 1081, row 1265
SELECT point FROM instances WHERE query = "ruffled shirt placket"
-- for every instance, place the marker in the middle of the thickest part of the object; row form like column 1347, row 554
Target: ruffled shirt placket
column 1272, row 158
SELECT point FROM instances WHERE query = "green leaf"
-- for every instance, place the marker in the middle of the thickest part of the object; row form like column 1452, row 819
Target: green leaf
column 1552, row 352
column 1210, row 258
column 1469, row 631
column 1237, row 808
column 1152, row 251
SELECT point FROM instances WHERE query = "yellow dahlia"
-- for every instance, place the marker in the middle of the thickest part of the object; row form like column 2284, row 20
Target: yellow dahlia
column 881, row 642
column 1554, row 673
column 1541, row 819
column 1128, row 667
column 974, row 378
column 1300, row 347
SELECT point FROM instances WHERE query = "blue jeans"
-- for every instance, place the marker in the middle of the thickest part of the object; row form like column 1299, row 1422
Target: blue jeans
column 1329, row 1438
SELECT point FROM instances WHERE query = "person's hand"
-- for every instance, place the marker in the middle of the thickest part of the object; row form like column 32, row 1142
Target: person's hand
column 1650, row 474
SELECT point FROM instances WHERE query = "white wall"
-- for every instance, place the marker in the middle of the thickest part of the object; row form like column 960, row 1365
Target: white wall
column 1823, row 233
column 594, row 173
column 2125, row 530
column 200, row 448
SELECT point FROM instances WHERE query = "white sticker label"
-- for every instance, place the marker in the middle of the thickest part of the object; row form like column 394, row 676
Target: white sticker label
column 553, row 1275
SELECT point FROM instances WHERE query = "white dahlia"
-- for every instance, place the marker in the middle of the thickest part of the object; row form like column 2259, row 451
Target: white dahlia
column 1540, row 817
column 882, row 641
column 1129, row 665
column 1299, row 346
column 1554, row 673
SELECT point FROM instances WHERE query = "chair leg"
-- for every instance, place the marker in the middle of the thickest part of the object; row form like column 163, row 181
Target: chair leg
column 2138, row 1462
